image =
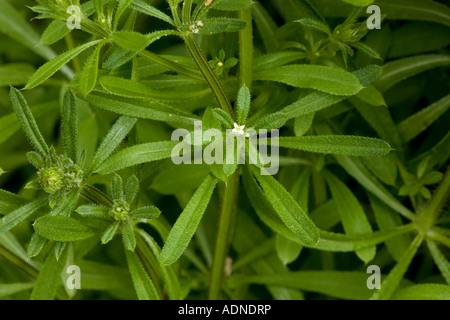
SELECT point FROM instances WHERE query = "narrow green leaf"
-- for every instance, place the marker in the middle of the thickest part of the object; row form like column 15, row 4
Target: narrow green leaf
column 357, row 170
column 288, row 209
column 337, row 284
column 184, row 228
column 117, row 187
column 431, row 291
column 10, row 201
column 336, row 144
column 232, row 5
column 331, row 80
column 92, row 210
column 276, row 59
column 145, row 289
column 399, row 70
column 387, row 219
column 303, row 123
column 90, row 71
column 271, row 121
column 440, row 260
column 315, row 24
column 243, row 104
column 129, row 239
column 7, row 289
column 20, row 214
column 132, row 41
column 218, row 25
column 145, row 8
column 353, row 217
column 60, row 228
column 392, row 281
column 55, row 31
column 139, row 108
column 110, row 232
column 48, row 280
column 419, row 122
column 136, row 155
column 147, row 213
column 116, row 134
column 36, row 245
column 123, row 5
column 131, row 189
column 287, row 250
column 51, row 67
column 27, row 121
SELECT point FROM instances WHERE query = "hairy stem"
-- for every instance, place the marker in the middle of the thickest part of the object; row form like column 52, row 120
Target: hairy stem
column 209, row 75
column 223, row 235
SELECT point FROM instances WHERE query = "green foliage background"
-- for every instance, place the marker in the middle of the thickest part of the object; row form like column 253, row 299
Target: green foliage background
column 364, row 136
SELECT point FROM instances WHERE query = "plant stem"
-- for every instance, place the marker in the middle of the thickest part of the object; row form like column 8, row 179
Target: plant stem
column 232, row 184
column 96, row 196
column 223, row 235
column 246, row 49
column 209, row 75
column 173, row 66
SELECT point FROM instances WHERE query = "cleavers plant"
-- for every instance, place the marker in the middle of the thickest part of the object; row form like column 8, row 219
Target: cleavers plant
column 364, row 174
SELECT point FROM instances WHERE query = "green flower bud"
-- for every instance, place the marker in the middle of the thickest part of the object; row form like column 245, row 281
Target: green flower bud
column 120, row 210
column 51, row 179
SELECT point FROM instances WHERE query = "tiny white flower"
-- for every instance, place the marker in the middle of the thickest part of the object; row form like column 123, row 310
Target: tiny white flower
column 238, row 129
column 220, row 64
column 200, row 24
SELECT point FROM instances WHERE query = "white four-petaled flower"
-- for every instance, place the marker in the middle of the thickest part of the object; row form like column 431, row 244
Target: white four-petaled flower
column 238, row 129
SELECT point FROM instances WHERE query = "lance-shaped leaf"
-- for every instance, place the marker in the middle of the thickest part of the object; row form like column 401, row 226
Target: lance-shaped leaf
column 287, row 250
column 36, row 245
column 60, row 228
column 353, row 218
column 145, row 8
column 90, row 71
column 27, row 121
column 288, row 209
column 219, row 25
column 139, row 108
column 12, row 288
column 331, row 80
column 417, row 123
column 118, row 132
column 110, row 232
column 315, row 24
column 336, row 144
column 427, row 291
column 138, row 154
column 132, row 41
column 392, row 281
column 129, row 239
column 186, row 224
column 117, row 187
column 51, row 67
column 399, row 70
column 145, row 289
column 47, row 283
column 20, row 214
column 148, row 213
column 69, row 126
column 361, row 3
column 243, row 104
column 440, row 260
column 131, row 189
column 123, row 5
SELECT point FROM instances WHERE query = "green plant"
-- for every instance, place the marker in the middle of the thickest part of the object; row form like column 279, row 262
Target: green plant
column 360, row 183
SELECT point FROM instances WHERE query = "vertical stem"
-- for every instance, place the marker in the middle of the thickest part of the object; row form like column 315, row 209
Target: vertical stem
column 209, row 75
column 231, row 186
column 223, row 235
column 246, row 49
